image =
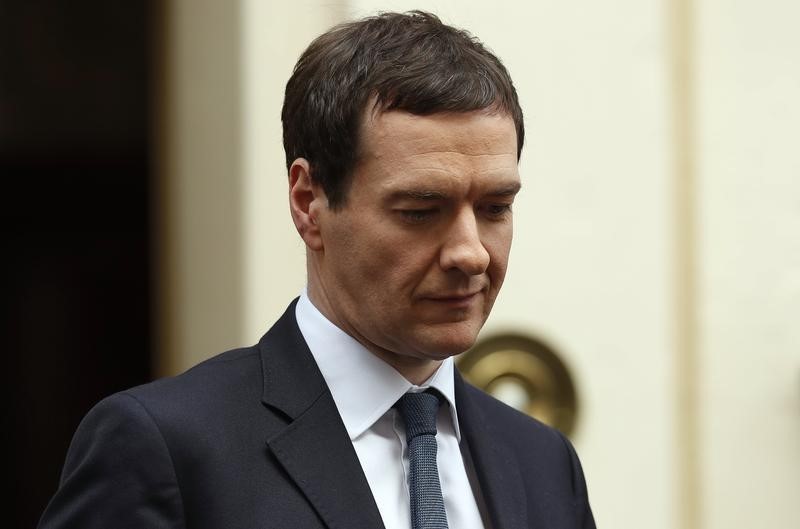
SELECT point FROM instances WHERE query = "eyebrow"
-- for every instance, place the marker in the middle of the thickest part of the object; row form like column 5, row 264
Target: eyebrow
column 506, row 191
column 417, row 194
column 431, row 195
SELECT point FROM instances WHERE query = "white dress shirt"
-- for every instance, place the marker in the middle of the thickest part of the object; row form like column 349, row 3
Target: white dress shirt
column 365, row 388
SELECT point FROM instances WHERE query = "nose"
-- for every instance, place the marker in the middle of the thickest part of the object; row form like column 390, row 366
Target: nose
column 463, row 249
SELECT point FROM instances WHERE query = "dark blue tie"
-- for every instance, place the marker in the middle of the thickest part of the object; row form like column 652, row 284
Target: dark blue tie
column 427, row 505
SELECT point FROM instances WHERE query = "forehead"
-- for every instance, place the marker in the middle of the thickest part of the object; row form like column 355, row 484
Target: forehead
column 469, row 148
column 405, row 131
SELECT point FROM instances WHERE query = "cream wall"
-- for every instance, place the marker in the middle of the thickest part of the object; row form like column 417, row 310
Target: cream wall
column 273, row 37
column 748, row 122
column 658, row 233
column 199, row 227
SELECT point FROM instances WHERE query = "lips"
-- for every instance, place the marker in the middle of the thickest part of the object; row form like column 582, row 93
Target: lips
column 454, row 301
column 454, row 297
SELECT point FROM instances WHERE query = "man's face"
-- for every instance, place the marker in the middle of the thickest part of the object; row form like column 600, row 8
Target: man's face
column 412, row 263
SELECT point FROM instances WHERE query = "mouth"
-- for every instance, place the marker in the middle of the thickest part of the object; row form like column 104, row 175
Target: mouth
column 456, row 299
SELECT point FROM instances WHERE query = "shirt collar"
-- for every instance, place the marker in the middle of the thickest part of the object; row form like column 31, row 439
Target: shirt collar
column 353, row 372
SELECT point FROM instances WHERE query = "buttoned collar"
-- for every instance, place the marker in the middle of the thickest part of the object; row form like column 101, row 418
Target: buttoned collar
column 363, row 386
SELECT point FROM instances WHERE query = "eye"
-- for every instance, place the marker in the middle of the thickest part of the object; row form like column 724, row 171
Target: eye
column 498, row 211
column 417, row 216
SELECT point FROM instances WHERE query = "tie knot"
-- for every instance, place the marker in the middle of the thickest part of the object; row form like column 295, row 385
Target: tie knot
column 419, row 413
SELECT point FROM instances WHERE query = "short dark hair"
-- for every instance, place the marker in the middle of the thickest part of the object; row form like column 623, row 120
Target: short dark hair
column 402, row 61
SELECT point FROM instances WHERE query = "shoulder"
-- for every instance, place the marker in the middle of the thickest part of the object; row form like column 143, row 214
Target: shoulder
column 507, row 420
column 157, row 408
column 535, row 444
column 118, row 461
column 231, row 372
column 201, row 401
column 544, row 458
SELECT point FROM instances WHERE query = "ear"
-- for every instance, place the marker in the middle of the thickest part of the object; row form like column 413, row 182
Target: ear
column 306, row 200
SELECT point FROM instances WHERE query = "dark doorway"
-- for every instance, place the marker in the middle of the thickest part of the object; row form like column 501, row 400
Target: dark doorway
column 75, row 115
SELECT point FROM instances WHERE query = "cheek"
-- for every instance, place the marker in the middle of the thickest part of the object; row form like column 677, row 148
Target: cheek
column 397, row 269
column 375, row 261
column 498, row 244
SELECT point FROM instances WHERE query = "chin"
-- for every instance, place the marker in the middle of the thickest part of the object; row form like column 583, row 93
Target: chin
column 449, row 343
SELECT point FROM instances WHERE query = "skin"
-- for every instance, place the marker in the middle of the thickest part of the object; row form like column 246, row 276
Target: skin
column 411, row 265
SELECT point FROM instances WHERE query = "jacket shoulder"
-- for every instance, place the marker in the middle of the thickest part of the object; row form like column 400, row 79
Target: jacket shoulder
column 507, row 419
column 546, row 458
column 120, row 451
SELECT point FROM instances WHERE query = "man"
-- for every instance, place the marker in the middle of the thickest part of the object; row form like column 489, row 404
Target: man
column 402, row 138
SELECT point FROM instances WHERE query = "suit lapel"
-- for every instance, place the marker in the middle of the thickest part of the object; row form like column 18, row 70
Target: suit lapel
column 314, row 447
column 496, row 468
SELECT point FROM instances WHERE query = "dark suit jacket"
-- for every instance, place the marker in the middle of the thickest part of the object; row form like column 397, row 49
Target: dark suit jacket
column 252, row 439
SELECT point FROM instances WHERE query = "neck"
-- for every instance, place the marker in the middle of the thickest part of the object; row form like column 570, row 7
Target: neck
column 414, row 369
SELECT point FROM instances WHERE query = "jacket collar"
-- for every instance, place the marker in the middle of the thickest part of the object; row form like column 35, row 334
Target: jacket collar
column 497, row 469
column 314, row 447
